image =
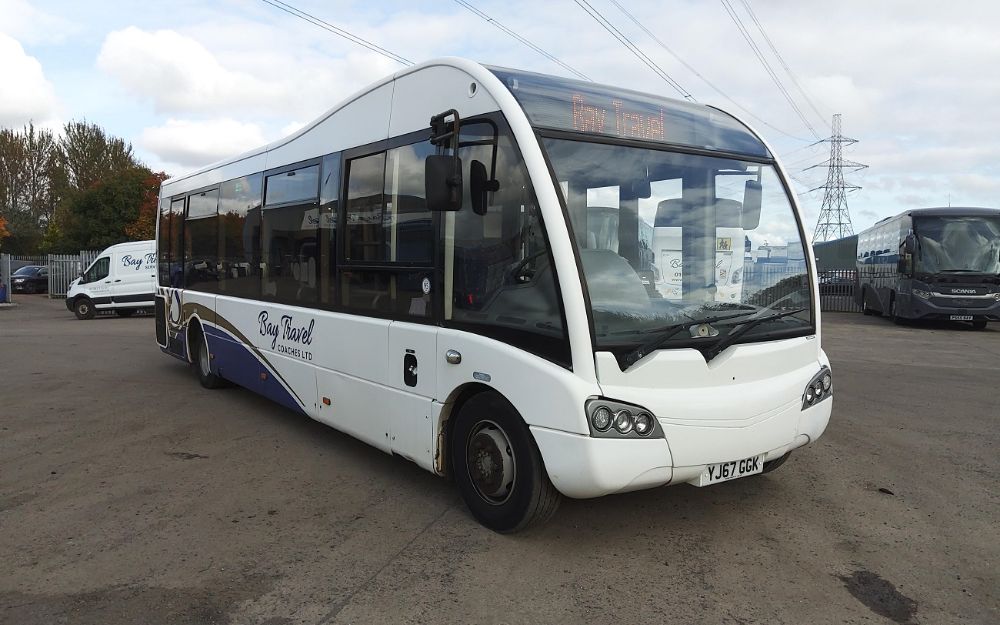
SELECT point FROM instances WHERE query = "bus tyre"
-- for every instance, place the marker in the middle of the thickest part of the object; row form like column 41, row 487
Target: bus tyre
column 83, row 309
column 892, row 311
column 865, row 310
column 978, row 324
column 124, row 312
column 203, row 365
column 497, row 466
column 771, row 465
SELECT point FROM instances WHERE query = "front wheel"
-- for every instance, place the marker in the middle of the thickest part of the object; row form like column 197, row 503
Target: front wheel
column 978, row 324
column 892, row 311
column 497, row 466
column 83, row 309
column 771, row 465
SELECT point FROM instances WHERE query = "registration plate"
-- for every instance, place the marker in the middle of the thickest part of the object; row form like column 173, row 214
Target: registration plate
column 961, row 317
column 725, row 471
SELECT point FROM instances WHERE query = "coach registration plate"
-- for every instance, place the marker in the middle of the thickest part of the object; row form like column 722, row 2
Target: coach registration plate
column 961, row 317
column 724, row 471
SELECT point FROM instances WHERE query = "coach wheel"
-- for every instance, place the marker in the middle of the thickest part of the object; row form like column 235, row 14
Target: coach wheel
column 771, row 465
column 83, row 309
column 497, row 466
column 892, row 310
column 864, row 303
column 203, row 365
column 124, row 312
column 978, row 324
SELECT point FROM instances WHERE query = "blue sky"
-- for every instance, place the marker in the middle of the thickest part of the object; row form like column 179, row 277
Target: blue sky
column 191, row 82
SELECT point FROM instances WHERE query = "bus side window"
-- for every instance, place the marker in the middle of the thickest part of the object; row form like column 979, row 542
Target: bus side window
column 239, row 236
column 289, row 233
column 201, row 242
column 328, row 217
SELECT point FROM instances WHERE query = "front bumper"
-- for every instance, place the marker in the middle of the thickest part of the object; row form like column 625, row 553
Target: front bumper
column 69, row 304
column 912, row 307
column 580, row 466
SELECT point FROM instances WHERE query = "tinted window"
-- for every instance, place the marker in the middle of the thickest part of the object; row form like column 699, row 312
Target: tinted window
column 501, row 272
column 201, row 242
column 407, row 224
column 290, row 237
column 329, row 193
column 365, row 235
column 298, row 185
column 98, row 271
column 163, row 242
column 239, row 218
column 176, row 258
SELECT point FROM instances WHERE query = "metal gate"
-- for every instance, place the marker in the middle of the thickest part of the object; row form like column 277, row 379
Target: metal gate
column 836, row 290
column 64, row 268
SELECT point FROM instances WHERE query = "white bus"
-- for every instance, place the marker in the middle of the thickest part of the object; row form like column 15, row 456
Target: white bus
column 428, row 268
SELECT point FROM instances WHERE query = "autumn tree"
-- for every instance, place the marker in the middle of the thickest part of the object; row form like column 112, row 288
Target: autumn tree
column 144, row 227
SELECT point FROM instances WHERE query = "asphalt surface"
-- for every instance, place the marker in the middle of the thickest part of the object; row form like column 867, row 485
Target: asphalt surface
column 129, row 494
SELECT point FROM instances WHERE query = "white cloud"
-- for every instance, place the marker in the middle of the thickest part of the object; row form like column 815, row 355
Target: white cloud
column 190, row 144
column 31, row 25
column 27, row 94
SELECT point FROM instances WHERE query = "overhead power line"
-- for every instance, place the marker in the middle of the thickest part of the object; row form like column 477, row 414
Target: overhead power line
column 698, row 74
column 521, row 39
column 625, row 41
column 767, row 67
column 788, row 70
column 336, row 30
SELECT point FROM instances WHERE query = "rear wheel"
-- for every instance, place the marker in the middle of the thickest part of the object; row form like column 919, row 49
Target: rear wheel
column 497, row 466
column 978, row 324
column 124, row 312
column 203, row 365
column 83, row 309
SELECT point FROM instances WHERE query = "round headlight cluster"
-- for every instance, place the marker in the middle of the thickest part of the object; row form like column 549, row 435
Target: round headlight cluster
column 623, row 420
column 818, row 389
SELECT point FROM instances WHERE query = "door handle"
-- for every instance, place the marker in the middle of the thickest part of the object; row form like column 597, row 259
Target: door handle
column 119, row 280
column 453, row 357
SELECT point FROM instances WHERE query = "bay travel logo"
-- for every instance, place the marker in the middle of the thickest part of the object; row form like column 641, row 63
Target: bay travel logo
column 287, row 331
column 138, row 262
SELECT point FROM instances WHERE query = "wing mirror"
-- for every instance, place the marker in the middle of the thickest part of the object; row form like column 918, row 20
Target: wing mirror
column 480, row 186
column 443, row 174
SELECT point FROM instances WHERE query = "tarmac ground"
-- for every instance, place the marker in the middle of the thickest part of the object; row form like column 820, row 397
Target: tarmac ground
column 130, row 494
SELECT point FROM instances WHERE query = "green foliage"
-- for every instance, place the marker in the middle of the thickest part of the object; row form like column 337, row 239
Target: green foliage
column 51, row 188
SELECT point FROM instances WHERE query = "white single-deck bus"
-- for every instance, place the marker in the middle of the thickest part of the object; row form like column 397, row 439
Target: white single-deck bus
column 460, row 265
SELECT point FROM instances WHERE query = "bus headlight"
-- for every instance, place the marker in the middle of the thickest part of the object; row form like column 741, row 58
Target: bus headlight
column 608, row 418
column 922, row 294
column 819, row 388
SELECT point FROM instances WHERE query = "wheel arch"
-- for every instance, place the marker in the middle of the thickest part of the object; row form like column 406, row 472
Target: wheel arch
column 194, row 331
column 456, row 399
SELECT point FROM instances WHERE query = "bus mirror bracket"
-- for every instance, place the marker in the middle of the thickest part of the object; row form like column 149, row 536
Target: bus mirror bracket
column 750, row 217
column 443, row 173
column 480, row 186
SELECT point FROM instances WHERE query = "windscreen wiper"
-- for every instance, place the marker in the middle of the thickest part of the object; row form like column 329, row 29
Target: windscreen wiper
column 745, row 327
column 664, row 333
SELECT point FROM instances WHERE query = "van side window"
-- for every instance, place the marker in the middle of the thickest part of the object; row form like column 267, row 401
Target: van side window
column 98, row 271
column 289, row 233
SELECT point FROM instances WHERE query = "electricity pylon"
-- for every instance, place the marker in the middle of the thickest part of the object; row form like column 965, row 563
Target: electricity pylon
column 834, row 219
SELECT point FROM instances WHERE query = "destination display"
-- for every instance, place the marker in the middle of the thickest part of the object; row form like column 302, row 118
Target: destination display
column 564, row 104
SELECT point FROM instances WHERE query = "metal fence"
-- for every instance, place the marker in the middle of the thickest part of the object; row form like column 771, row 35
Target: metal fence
column 837, row 290
column 64, row 268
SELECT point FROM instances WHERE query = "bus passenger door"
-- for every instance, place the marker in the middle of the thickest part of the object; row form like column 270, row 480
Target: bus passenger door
column 412, row 375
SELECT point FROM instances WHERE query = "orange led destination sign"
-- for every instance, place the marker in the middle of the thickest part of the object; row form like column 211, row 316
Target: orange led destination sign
column 627, row 123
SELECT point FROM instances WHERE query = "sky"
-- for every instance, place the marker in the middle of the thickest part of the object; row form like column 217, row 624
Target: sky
column 192, row 82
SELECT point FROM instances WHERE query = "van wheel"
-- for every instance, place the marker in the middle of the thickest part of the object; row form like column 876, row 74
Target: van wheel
column 83, row 309
column 497, row 466
column 771, row 465
column 978, row 324
column 124, row 312
column 203, row 365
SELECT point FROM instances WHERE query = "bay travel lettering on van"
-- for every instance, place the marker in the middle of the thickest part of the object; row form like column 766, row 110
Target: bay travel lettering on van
column 286, row 329
column 137, row 263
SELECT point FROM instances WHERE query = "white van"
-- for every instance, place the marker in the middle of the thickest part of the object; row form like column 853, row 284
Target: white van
column 123, row 279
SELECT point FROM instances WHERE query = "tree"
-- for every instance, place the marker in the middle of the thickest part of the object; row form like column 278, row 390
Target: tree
column 100, row 216
column 4, row 233
column 90, row 155
column 144, row 227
